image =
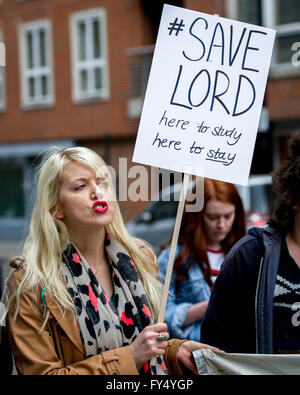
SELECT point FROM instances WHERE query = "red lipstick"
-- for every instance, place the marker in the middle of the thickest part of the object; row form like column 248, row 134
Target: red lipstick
column 100, row 206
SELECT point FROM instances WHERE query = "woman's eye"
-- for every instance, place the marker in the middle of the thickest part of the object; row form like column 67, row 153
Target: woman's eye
column 80, row 187
column 228, row 216
column 103, row 184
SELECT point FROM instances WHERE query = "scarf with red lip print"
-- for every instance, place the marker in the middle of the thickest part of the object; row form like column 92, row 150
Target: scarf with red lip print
column 106, row 325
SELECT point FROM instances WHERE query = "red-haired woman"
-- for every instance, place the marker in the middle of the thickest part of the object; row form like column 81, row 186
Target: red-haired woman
column 204, row 239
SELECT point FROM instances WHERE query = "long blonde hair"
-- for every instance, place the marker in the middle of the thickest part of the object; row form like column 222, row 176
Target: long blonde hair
column 48, row 235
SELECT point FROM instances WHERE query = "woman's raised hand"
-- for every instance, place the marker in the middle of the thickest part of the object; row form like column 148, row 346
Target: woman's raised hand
column 148, row 345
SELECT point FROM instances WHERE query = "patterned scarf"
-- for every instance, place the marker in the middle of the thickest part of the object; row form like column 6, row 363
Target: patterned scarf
column 105, row 325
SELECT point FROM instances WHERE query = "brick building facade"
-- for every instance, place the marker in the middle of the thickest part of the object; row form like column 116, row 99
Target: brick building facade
column 76, row 73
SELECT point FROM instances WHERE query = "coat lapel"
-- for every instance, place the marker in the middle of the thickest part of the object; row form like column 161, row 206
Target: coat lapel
column 67, row 321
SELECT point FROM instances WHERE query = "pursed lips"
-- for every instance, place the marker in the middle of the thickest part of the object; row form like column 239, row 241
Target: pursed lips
column 100, row 206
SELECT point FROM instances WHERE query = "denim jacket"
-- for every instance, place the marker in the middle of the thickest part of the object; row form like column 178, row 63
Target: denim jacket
column 191, row 290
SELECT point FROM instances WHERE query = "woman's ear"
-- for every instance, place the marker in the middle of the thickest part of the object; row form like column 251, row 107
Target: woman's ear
column 56, row 212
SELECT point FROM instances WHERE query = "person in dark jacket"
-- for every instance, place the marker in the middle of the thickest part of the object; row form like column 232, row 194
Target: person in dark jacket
column 255, row 303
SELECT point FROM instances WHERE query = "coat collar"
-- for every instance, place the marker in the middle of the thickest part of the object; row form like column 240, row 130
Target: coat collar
column 66, row 320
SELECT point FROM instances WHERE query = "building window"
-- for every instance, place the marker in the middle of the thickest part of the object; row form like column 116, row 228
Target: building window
column 2, row 101
column 281, row 15
column 250, row 11
column 17, row 173
column 286, row 19
column 36, row 64
column 89, row 56
column 2, row 75
column 140, row 60
column 12, row 201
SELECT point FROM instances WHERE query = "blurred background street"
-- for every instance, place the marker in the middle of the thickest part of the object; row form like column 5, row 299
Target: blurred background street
column 76, row 74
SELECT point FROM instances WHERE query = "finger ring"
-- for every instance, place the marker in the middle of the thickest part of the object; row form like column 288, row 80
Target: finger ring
column 161, row 338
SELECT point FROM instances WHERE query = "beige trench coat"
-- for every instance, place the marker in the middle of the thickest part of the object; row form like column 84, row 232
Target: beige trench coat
column 58, row 349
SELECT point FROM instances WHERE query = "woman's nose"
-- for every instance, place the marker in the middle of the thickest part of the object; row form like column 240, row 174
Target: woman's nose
column 221, row 222
column 96, row 192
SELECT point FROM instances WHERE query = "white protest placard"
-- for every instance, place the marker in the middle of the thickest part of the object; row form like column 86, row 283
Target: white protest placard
column 204, row 96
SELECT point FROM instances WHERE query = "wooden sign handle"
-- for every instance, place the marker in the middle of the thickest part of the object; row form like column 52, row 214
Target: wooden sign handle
column 173, row 246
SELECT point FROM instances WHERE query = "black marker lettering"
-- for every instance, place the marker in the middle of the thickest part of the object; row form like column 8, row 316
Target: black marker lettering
column 218, row 25
column 175, row 89
column 235, row 114
column 173, row 122
column 220, row 157
column 191, row 87
column 217, row 96
column 196, row 149
column 252, row 48
column 197, row 38
column 165, row 143
column 232, row 58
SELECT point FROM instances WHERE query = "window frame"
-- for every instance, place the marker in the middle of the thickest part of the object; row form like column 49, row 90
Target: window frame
column 2, row 79
column 89, row 64
column 20, row 164
column 141, row 56
column 268, row 15
column 18, row 155
column 26, row 73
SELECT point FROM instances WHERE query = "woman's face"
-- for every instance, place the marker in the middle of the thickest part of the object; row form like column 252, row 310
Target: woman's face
column 85, row 198
column 218, row 218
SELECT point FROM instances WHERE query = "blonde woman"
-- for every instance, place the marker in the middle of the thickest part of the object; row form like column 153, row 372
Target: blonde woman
column 86, row 298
